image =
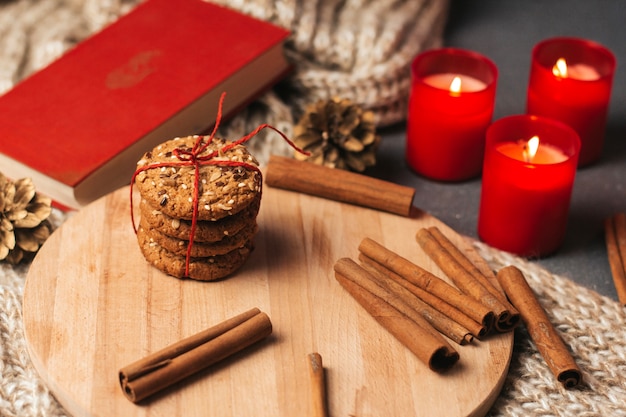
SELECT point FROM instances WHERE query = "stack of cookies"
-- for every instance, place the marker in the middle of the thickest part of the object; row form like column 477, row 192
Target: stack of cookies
column 228, row 203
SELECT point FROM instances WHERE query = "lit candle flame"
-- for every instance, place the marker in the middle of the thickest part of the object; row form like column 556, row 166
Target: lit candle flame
column 560, row 68
column 455, row 86
column 530, row 148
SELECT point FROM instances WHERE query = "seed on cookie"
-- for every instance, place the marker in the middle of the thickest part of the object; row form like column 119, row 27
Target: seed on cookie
column 225, row 189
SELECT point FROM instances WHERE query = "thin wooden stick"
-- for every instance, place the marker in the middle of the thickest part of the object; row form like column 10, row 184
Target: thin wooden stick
column 319, row 404
column 615, row 235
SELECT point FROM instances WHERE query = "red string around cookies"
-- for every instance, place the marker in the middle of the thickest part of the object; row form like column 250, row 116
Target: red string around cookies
column 193, row 158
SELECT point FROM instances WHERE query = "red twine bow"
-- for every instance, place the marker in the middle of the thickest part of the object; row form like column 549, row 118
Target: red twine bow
column 192, row 158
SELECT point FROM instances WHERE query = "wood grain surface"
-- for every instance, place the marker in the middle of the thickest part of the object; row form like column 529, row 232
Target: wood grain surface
column 93, row 305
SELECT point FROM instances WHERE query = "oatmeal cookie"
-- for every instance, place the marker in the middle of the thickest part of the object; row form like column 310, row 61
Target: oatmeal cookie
column 203, row 269
column 223, row 190
column 200, row 249
column 206, row 230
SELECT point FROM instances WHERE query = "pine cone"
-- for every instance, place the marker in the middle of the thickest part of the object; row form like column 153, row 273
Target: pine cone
column 24, row 224
column 338, row 134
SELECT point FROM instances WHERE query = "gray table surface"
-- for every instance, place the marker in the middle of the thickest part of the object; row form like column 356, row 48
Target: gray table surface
column 506, row 31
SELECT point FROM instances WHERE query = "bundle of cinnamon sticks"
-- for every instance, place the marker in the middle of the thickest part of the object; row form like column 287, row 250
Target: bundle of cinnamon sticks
column 418, row 307
column 394, row 314
column 468, row 278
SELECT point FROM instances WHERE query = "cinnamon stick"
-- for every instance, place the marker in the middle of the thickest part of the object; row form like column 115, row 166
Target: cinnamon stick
column 415, row 333
column 319, row 405
column 427, row 281
column 180, row 360
column 339, row 185
column 489, row 280
column 545, row 336
column 452, row 313
column 409, row 304
column 615, row 236
column 467, row 277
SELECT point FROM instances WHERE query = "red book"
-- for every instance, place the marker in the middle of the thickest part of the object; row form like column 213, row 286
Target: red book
column 78, row 126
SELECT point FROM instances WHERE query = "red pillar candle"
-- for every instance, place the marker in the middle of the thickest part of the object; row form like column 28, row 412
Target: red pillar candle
column 525, row 199
column 570, row 80
column 451, row 104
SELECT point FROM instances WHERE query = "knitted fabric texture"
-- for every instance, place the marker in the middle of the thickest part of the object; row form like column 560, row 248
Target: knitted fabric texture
column 355, row 49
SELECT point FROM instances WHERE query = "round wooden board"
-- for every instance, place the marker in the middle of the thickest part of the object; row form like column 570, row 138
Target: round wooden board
column 93, row 305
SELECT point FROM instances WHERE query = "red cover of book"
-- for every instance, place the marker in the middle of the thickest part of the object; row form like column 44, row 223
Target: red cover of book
column 78, row 126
